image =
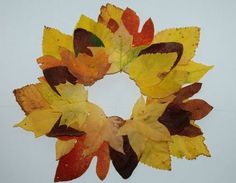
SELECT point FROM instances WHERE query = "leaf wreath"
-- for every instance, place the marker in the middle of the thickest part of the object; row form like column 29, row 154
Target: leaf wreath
column 162, row 125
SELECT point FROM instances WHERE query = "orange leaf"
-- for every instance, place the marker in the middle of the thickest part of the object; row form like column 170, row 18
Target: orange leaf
column 48, row 61
column 85, row 68
column 131, row 22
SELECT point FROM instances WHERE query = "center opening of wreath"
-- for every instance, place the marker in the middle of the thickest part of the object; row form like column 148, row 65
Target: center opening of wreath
column 116, row 94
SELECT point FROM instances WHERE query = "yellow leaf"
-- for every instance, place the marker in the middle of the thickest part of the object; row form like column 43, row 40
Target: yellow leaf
column 100, row 30
column 147, row 69
column 40, row 122
column 156, row 155
column 169, row 85
column 98, row 129
column 196, row 71
column 30, row 98
column 188, row 147
column 143, row 126
column 110, row 12
column 53, row 39
column 63, row 147
column 121, row 51
column 187, row 36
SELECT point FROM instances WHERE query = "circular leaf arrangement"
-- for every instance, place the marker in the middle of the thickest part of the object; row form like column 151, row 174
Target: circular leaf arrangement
column 163, row 120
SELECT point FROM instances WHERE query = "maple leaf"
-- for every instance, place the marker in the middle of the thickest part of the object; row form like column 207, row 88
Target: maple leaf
column 74, row 164
column 131, row 22
column 99, row 128
column 85, row 68
column 144, row 131
column 121, row 51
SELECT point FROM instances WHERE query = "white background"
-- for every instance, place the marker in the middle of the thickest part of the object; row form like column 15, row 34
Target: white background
column 24, row 159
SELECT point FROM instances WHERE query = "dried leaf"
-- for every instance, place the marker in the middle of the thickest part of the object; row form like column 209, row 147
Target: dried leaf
column 198, row 108
column 187, row 36
column 63, row 147
column 85, row 68
column 188, row 147
column 143, row 126
column 126, row 162
column 74, row 164
column 84, row 39
column 58, row 75
column 40, row 122
column 53, row 39
column 30, row 98
column 131, row 22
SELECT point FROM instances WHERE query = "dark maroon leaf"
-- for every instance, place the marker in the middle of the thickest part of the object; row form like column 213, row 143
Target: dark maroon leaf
column 175, row 118
column 58, row 75
column 191, row 131
column 124, row 163
column 187, row 92
column 62, row 130
column 84, row 39
column 165, row 47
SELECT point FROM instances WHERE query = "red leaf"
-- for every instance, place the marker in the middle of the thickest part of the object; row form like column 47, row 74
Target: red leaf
column 131, row 21
column 74, row 164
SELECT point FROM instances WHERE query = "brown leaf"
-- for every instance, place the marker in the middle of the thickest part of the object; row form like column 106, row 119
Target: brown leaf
column 198, row 108
column 124, row 163
column 58, row 75
column 191, row 131
column 84, row 39
column 187, row 92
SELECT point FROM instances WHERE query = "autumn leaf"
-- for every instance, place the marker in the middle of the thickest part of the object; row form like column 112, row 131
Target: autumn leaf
column 53, row 39
column 85, row 68
column 99, row 128
column 188, row 147
column 70, row 106
column 30, row 98
column 187, row 36
column 98, row 29
column 147, row 69
column 131, row 22
column 84, row 39
column 63, row 147
column 198, row 108
column 126, row 162
column 144, row 131
column 121, row 51
column 110, row 16
column 74, row 164
column 58, row 75
column 39, row 122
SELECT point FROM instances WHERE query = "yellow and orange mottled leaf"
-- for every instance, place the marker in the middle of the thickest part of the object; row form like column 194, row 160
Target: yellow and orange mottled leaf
column 30, row 98
column 48, row 61
column 85, row 68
